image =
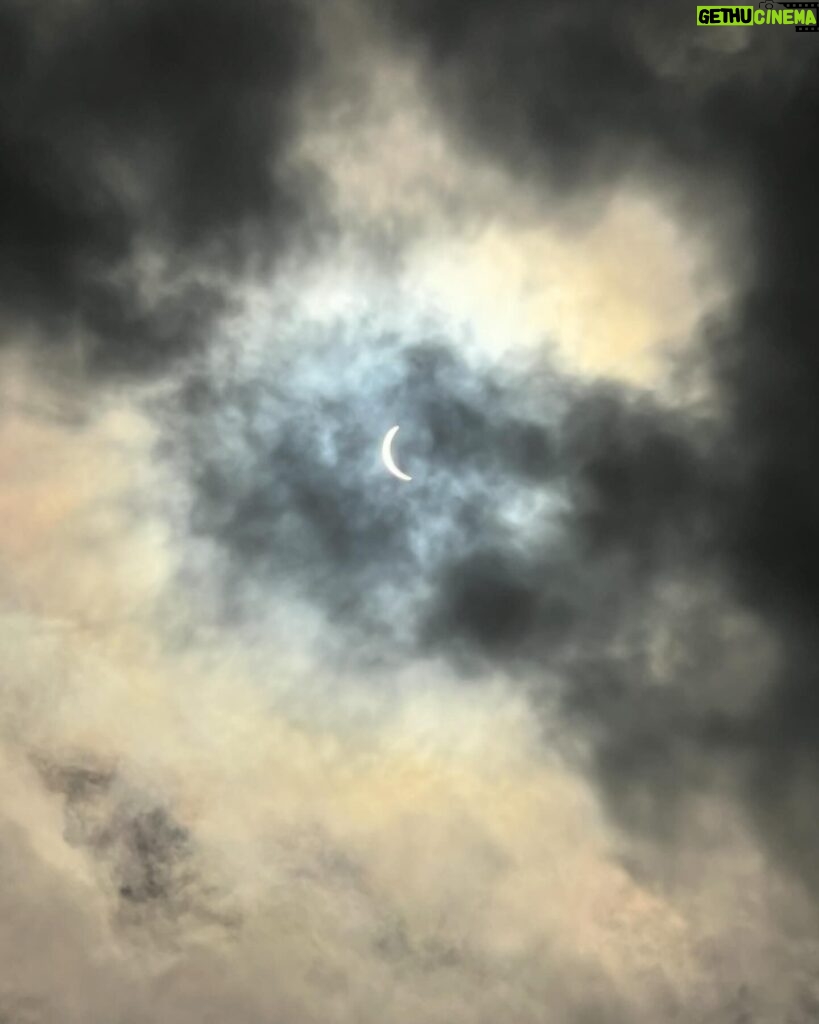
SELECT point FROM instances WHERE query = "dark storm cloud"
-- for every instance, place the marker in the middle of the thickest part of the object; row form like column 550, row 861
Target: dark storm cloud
column 587, row 94
column 132, row 128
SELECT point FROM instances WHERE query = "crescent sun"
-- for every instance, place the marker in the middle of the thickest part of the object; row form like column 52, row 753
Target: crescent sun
column 386, row 455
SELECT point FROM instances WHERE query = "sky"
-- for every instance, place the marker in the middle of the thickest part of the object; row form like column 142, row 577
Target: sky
column 531, row 738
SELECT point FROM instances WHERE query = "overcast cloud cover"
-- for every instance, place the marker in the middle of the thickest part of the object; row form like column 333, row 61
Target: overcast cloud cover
column 532, row 738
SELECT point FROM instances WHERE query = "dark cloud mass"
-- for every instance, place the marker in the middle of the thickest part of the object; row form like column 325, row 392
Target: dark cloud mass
column 133, row 132
column 144, row 857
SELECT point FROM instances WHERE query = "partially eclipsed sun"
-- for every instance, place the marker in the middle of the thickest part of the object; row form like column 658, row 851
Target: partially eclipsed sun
column 386, row 455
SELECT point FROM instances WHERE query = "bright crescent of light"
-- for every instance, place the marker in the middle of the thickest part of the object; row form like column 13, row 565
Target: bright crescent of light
column 386, row 455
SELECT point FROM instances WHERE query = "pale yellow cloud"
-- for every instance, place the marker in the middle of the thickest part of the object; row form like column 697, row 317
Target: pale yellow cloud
column 440, row 864
column 615, row 290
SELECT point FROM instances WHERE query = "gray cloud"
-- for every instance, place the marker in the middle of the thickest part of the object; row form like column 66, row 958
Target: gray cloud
column 143, row 141
column 148, row 860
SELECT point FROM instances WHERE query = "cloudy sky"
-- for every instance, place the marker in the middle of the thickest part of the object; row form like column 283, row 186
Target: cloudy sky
column 533, row 738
